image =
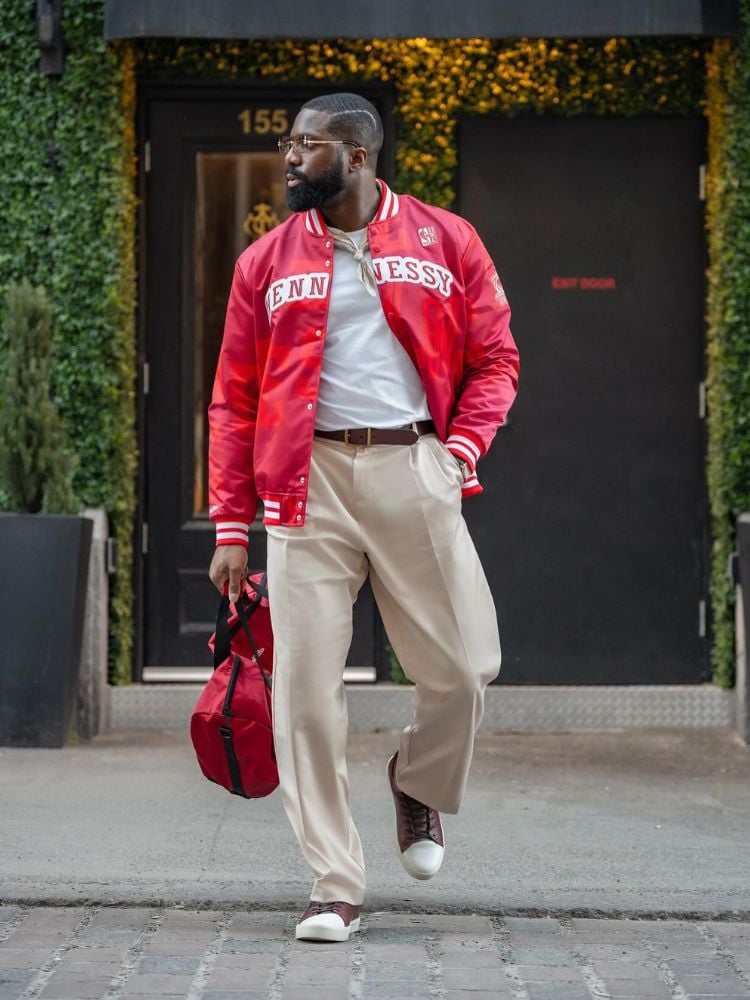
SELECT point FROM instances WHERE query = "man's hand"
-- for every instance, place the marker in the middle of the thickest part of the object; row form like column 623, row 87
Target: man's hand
column 229, row 564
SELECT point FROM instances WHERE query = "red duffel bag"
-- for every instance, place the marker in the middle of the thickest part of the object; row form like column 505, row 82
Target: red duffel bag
column 231, row 725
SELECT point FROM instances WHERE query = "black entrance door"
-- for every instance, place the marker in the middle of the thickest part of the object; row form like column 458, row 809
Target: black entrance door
column 212, row 181
column 592, row 524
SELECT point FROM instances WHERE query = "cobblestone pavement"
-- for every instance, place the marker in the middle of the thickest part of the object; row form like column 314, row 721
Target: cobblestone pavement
column 81, row 953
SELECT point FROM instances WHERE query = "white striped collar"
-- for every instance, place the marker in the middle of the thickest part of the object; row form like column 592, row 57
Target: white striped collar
column 387, row 209
column 314, row 222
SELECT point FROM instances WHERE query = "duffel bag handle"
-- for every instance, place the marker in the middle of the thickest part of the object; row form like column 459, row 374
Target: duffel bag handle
column 244, row 607
column 223, row 634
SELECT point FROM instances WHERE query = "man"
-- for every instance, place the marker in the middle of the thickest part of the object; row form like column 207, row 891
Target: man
column 366, row 365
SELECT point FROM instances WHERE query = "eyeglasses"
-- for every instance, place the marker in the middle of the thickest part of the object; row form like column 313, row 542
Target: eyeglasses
column 303, row 143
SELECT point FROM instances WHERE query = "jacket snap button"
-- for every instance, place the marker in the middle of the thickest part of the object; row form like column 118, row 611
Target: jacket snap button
column 328, row 243
column 299, row 517
column 309, row 406
column 299, row 503
column 318, row 333
column 328, row 263
column 302, row 479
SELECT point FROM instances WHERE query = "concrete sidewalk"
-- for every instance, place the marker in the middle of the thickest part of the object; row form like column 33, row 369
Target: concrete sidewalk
column 636, row 823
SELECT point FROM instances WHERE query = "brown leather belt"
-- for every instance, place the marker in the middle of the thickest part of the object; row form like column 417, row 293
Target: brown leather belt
column 407, row 434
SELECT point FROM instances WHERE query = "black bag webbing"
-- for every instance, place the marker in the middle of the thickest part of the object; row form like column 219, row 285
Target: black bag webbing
column 245, row 607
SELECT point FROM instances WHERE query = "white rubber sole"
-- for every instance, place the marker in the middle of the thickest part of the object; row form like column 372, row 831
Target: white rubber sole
column 309, row 931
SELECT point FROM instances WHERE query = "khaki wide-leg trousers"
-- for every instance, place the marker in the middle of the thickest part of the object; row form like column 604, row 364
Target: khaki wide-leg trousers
column 393, row 511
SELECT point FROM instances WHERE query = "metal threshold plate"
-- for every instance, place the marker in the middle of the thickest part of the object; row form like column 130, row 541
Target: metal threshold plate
column 199, row 675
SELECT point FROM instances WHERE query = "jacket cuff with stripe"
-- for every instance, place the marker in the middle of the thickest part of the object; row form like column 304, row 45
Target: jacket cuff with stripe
column 466, row 448
column 232, row 533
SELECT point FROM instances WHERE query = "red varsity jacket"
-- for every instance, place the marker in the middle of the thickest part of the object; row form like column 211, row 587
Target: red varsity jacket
column 442, row 299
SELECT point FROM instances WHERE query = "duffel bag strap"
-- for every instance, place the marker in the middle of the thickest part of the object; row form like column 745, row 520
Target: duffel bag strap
column 223, row 634
column 223, row 639
column 244, row 607
column 242, row 614
column 259, row 586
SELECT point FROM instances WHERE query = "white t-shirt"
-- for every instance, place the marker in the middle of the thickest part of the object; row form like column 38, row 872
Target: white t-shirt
column 367, row 379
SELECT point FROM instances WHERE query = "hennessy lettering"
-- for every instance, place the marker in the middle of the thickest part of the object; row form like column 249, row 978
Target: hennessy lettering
column 413, row 271
column 313, row 285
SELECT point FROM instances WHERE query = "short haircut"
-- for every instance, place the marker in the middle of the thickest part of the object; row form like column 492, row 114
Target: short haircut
column 352, row 117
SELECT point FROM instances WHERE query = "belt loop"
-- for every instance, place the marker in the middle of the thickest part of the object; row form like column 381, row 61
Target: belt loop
column 414, row 427
column 346, row 436
column 369, row 435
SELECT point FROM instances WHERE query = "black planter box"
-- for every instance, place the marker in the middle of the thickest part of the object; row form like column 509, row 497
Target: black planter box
column 44, row 561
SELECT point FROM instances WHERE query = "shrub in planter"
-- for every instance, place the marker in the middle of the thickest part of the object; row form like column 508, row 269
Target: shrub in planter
column 397, row 671
column 44, row 547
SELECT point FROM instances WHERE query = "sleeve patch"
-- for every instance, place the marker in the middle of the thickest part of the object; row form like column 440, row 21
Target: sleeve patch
column 499, row 290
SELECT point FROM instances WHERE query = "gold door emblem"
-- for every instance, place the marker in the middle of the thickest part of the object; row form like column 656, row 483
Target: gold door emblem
column 260, row 219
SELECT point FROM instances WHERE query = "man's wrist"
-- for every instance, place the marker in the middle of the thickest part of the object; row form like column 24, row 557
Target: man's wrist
column 466, row 448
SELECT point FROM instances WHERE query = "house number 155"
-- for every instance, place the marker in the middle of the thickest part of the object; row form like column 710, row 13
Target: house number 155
column 261, row 121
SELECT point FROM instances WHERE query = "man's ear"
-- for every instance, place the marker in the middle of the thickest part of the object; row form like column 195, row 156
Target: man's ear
column 357, row 159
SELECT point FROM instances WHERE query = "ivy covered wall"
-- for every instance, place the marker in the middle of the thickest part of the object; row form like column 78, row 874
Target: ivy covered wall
column 68, row 211
column 71, row 210
column 728, row 320
column 436, row 80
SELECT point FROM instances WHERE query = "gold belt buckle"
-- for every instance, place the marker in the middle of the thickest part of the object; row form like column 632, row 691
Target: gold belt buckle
column 369, row 436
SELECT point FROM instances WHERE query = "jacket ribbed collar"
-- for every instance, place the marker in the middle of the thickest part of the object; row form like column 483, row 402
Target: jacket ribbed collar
column 387, row 209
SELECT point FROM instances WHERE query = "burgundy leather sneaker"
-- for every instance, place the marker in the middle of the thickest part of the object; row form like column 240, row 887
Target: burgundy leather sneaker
column 328, row 921
column 420, row 842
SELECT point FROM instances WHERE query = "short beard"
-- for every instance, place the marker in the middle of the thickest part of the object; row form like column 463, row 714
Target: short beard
column 315, row 193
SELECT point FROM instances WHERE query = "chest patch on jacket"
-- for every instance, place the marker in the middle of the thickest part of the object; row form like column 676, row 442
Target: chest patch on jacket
column 428, row 236
column 312, row 285
column 414, row 271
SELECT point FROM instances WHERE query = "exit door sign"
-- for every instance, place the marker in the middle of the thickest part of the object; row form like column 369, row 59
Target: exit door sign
column 559, row 284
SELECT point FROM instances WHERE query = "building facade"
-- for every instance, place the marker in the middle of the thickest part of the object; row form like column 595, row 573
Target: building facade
column 596, row 155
